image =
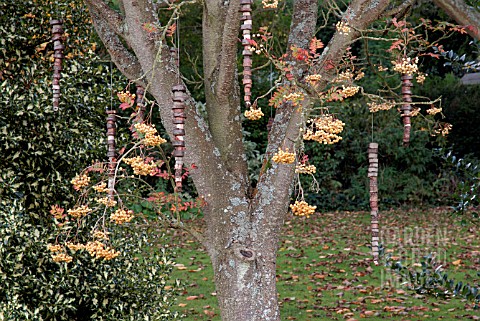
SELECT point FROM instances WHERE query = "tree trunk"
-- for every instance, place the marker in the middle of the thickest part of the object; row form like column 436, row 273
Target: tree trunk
column 245, row 282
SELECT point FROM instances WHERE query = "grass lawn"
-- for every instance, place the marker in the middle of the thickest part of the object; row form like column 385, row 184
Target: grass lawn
column 325, row 270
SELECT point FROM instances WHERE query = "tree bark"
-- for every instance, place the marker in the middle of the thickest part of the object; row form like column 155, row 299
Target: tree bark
column 463, row 14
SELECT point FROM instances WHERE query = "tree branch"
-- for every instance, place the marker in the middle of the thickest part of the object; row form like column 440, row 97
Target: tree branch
column 221, row 23
column 114, row 19
column 127, row 63
column 463, row 14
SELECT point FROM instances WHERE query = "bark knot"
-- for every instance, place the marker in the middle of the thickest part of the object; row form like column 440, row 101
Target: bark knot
column 245, row 253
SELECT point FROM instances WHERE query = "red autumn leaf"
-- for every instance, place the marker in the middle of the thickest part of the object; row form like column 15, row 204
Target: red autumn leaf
column 124, row 106
column 171, row 30
column 252, row 42
column 315, row 44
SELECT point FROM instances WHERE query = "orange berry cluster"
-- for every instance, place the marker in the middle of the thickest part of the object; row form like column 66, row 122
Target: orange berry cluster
column 421, row 77
column 284, row 157
column 343, row 28
column 349, row 91
column 75, row 246
column 100, row 235
column 100, row 251
column 54, row 248
column 444, row 129
column 253, row 113
column 305, row 169
column 406, row 66
column 294, row 97
column 100, row 188
column 62, row 257
column 79, row 211
column 107, row 201
column 302, row 209
column 373, row 107
column 313, row 78
column 126, row 97
column 139, row 166
column 267, row 4
column 324, row 129
column 121, row 216
column 80, row 181
column 344, row 76
column 434, row 111
column 151, row 138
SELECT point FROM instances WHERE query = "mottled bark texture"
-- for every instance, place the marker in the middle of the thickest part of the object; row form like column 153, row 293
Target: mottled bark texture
column 242, row 229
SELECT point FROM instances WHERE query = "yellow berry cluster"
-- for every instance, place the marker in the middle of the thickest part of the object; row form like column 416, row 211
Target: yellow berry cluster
column 349, row 91
column 444, row 129
column 100, row 235
column 121, row 216
column 62, row 257
column 374, row 107
column 139, row 166
column 54, row 248
column 406, row 66
column 294, row 97
column 324, row 130
column 126, row 97
column 382, row 68
column 344, row 76
column 360, row 75
column 284, row 157
column 421, row 77
column 434, row 111
column 107, row 201
column 305, row 169
column 80, row 181
column 100, row 188
column 313, row 78
column 415, row 111
column 343, row 28
column 302, row 209
column 79, row 211
column 151, row 138
column 253, row 113
column 100, row 251
column 267, row 4
column 75, row 246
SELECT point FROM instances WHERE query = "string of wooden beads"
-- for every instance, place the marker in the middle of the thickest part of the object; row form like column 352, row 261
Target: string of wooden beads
column 406, row 107
column 246, row 10
column 111, row 154
column 139, row 117
column 372, row 175
column 58, row 47
column 178, row 109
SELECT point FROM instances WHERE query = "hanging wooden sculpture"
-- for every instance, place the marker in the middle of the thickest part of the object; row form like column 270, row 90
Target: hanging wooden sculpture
column 246, row 9
column 372, row 175
column 111, row 154
column 406, row 107
column 58, row 47
column 179, row 96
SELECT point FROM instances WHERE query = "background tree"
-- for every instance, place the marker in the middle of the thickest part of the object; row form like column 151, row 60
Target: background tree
column 242, row 221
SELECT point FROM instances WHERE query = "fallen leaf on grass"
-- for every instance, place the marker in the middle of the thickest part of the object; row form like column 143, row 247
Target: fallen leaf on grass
column 457, row 262
column 192, row 297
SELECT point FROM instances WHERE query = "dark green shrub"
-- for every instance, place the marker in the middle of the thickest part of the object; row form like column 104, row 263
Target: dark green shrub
column 431, row 280
column 42, row 150
column 406, row 175
column 33, row 287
